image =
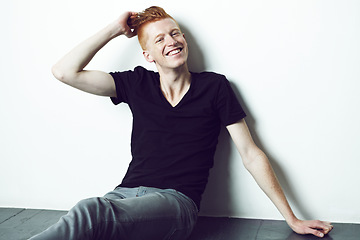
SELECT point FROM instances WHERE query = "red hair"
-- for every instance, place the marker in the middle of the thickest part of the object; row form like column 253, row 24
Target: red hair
column 151, row 14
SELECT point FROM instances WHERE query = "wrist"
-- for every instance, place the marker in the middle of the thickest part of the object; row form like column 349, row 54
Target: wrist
column 113, row 30
column 293, row 222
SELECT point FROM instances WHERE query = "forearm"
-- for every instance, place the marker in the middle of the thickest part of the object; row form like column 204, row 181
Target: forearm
column 264, row 175
column 73, row 63
column 260, row 168
column 76, row 60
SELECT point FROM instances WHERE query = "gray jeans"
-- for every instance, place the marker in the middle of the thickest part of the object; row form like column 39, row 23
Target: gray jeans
column 127, row 213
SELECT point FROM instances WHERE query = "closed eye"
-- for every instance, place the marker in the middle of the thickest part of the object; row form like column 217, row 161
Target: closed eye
column 176, row 33
column 158, row 40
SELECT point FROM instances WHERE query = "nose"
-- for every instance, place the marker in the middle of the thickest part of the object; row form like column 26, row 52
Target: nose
column 171, row 41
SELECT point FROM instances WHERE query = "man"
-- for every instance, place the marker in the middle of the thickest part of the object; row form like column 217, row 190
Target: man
column 176, row 122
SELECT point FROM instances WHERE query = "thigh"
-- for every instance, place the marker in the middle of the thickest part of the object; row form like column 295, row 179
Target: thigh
column 158, row 215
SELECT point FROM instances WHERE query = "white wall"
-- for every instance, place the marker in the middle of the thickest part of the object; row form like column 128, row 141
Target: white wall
column 294, row 64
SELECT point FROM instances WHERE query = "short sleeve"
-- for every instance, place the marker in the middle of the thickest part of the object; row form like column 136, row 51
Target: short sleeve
column 124, row 83
column 120, row 80
column 227, row 104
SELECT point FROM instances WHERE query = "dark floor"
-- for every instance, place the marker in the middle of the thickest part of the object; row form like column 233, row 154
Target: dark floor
column 18, row 224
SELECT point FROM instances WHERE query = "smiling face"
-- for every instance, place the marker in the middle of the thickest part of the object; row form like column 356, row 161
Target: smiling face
column 165, row 44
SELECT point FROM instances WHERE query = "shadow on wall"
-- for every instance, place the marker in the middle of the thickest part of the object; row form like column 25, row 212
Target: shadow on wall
column 196, row 61
column 217, row 199
column 284, row 180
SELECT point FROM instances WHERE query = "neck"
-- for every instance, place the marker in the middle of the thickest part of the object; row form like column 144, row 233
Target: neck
column 174, row 84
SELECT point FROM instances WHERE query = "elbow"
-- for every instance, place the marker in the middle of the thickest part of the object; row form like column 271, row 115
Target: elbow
column 247, row 162
column 58, row 74
column 63, row 75
column 253, row 157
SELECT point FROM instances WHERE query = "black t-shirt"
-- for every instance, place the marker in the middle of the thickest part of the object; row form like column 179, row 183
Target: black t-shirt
column 174, row 147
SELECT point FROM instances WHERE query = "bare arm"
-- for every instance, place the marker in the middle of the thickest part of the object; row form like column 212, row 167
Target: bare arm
column 70, row 68
column 259, row 167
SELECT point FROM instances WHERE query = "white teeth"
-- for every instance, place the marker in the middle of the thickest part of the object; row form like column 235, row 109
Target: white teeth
column 173, row 52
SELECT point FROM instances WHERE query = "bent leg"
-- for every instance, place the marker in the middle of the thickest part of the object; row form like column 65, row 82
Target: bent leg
column 155, row 215
column 164, row 214
column 84, row 221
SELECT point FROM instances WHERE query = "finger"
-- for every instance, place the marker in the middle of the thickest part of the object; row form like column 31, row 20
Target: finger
column 317, row 233
column 328, row 229
column 327, row 224
column 321, row 228
column 320, row 225
column 131, row 14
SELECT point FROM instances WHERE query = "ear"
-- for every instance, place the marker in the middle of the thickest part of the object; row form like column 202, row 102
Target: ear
column 148, row 57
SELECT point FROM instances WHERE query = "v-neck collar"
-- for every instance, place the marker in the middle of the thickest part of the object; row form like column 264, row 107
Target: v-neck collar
column 188, row 92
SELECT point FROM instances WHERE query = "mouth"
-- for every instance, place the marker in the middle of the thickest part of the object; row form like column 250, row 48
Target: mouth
column 174, row 52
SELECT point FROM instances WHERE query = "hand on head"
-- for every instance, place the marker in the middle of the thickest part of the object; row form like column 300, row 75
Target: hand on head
column 123, row 23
